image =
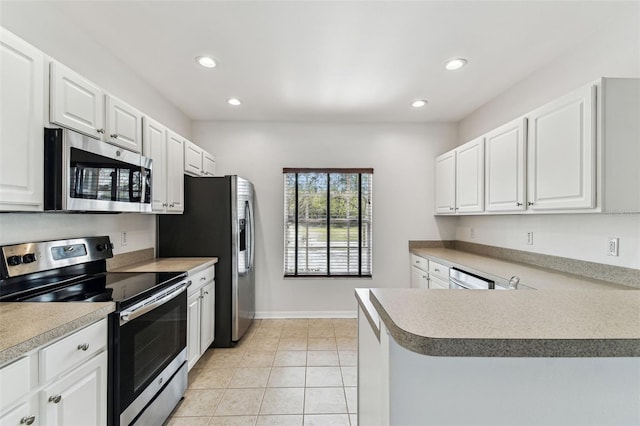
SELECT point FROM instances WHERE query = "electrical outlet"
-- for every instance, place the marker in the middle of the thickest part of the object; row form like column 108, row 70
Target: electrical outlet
column 530, row 238
column 473, row 232
column 612, row 246
column 124, row 238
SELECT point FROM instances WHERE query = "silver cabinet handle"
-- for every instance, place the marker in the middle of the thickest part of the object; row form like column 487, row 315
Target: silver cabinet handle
column 436, row 270
column 451, row 208
column 203, row 278
column 172, row 205
column 164, row 204
column 424, row 277
column 529, row 203
column 206, row 292
column 518, row 204
column 100, row 130
column 83, row 347
column 417, row 262
column 55, row 399
column 27, row 420
column 114, row 136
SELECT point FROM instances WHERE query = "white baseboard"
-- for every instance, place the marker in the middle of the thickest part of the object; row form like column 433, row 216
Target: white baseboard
column 305, row 314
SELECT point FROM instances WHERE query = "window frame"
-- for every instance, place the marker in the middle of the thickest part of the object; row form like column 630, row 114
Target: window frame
column 328, row 171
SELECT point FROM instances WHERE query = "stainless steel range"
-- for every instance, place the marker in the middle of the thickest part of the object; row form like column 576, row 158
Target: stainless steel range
column 147, row 331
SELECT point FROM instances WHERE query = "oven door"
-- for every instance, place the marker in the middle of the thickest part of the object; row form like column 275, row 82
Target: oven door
column 152, row 338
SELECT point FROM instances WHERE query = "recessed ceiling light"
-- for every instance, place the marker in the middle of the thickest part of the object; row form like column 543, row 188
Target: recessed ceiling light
column 206, row 61
column 419, row 103
column 234, row 101
column 454, row 64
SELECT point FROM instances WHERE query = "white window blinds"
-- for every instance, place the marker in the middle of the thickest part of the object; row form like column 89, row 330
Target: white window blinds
column 328, row 222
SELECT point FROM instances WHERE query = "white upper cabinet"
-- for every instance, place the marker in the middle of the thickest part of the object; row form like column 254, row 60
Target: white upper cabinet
column 175, row 172
column 446, row 183
column 505, row 167
column 124, row 124
column 197, row 161
column 22, row 83
column 470, row 177
column 192, row 159
column 155, row 147
column 208, row 164
column 562, row 153
column 460, row 179
column 75, row 102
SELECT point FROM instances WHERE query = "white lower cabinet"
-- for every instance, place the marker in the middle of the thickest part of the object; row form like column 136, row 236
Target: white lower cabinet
column 200, row 314
column 33, row 392
column 80, row 397
column 193, row 328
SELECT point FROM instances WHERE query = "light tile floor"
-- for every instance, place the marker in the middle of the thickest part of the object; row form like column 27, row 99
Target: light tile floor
column 283, row 372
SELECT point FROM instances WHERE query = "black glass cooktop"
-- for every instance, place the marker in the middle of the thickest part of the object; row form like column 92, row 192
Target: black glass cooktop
column 120, row 287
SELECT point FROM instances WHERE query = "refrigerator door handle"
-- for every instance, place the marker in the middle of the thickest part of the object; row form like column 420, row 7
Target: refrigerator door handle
column 249, row 234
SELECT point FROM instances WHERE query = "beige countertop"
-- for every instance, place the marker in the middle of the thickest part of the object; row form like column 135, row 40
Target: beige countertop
column 486, row 323
column 501, row 271
column 170, row 264
column 27, row 326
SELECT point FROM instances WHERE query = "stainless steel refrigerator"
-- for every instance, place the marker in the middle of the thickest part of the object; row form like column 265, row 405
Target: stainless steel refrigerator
column 218, row 221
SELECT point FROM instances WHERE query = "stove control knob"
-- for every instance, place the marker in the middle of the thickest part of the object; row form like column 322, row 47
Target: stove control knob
column 101, row 247
column 29, row 258
column 14, row 260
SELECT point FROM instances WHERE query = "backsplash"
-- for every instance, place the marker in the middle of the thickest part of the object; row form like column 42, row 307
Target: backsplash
column 599, row 271
column 125, row 259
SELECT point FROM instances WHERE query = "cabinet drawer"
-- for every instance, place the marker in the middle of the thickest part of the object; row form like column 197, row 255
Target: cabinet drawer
column 72, row 350
column 420, row 262
column 201, row 278
column 435, row 282
column 14, row 381
column 438, row 270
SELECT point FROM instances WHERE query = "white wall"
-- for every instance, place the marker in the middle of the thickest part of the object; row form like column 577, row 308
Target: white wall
column 42, row 25
column 402, row 158
column 20, row 228
column 613, row 53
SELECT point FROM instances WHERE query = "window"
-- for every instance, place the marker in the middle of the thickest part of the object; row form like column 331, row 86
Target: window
column 327, row 215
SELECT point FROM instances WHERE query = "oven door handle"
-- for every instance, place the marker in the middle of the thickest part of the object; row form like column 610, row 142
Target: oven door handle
column 153, row 302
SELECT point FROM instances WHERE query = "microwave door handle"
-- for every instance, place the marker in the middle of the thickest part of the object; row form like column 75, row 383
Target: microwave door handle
column 129, row 315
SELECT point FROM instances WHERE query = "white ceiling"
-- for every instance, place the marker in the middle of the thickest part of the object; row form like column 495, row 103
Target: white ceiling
column 338, row 60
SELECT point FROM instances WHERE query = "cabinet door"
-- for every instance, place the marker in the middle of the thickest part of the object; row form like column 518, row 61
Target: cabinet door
column 470, row 177
column 175, row 172
column 192, row 159
column 208, row 164
column 561, row 153
column 505, row 167
column 155, row 147
column 75, row 102
column 193, row 329
column 419, row 278
column 446, row 183
column 124, row 124
column 22, row 128
column 79, row 398
column 207, row 316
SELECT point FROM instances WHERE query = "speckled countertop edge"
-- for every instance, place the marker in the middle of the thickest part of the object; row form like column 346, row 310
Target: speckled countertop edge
column 511, row 347
column 191, row 265
column 30, row 343
column 362, row 295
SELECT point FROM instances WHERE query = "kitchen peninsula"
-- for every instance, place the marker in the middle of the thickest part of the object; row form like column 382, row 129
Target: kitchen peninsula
column 498, row 357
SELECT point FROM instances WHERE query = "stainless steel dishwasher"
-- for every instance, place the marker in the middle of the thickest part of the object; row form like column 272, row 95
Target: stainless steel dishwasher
column 461, row 280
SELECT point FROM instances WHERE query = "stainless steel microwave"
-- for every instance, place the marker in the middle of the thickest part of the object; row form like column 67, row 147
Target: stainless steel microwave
column 86, row 175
